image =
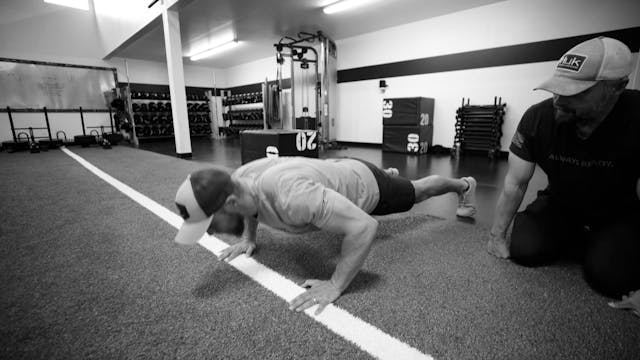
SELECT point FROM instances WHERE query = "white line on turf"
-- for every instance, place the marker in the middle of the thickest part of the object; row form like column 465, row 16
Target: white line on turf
column 366, row 336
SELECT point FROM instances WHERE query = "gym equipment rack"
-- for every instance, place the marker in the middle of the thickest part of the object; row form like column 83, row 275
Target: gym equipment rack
column 244, row 111
column 479, row 128
column 153, row 120
column 23, row 140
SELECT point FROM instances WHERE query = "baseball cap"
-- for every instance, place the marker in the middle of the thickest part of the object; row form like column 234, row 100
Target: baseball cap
column 198, row 198
column 580, row 68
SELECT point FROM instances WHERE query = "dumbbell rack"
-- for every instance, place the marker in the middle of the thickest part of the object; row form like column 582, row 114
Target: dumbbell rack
column 153, row 118
column 243, row 112
column 479, row 128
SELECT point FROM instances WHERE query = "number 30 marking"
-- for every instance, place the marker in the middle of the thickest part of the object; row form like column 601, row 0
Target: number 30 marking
column 387, row 109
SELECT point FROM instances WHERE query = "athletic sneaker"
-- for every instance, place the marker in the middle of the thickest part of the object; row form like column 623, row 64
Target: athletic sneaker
column 467, row 200
column 392, row 171
column 629, row 302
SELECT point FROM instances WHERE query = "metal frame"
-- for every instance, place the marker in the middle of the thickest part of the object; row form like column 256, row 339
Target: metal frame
column 299, row 57
column 325, row 109
column 46, row 112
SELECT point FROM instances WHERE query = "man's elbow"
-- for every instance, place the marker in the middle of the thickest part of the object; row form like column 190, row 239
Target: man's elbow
column 369, row 229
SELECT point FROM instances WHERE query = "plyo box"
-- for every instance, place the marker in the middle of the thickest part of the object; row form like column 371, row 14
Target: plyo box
column 256, row 144
column 407, row 111
column 407, row 139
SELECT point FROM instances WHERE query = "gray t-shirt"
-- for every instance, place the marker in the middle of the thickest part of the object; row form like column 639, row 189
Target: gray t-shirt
column 296, row 194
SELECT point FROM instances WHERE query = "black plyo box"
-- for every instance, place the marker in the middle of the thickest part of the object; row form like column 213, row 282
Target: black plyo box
column 407, row 139
column 256, row 144
column 407, row 111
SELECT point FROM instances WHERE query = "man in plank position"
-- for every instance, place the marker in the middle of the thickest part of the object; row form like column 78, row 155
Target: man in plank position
column 299, row 195
column 586, row 138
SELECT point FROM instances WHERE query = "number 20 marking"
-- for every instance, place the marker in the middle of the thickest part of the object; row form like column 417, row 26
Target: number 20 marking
column 305, row 140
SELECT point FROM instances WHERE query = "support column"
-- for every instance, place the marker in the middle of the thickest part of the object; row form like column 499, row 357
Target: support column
column 173, row 48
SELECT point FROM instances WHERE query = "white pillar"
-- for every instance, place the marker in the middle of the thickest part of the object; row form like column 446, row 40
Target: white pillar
column 173, row 48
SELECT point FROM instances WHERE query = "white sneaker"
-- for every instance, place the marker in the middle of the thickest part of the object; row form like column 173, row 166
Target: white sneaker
column 467, row 200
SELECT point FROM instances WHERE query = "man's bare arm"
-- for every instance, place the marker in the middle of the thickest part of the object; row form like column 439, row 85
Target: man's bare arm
column 515, row 185
column 359, row 230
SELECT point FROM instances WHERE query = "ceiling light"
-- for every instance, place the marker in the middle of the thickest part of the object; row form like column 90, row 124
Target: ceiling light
column 344, row 5
column 215, row 50
column 78, row 4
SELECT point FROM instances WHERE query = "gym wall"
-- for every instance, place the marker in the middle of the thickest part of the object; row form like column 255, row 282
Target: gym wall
column 494, row 26
column 256, row 71
column 152, row 72
column 115, row 26
column 48, row 34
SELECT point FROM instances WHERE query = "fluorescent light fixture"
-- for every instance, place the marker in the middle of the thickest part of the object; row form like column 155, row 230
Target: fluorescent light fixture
column 344, row 5
column 215, row 50
column 78, row 4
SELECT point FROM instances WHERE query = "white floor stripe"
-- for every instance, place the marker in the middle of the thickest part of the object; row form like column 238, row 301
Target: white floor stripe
column 366, row 336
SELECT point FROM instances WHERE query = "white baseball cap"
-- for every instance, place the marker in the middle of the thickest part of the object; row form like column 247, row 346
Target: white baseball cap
column 202, row 194
column 580, row 68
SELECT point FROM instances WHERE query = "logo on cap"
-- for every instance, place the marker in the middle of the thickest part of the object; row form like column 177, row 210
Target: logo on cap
column 572, row 62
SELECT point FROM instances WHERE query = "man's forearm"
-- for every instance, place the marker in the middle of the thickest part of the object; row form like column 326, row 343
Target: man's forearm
column 508, row 204
column 355, row 248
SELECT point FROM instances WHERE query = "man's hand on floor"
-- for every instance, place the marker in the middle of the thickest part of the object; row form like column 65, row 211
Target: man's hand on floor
column 631, row 302
column 231, row 252
column 321, row 292
column 498, row 246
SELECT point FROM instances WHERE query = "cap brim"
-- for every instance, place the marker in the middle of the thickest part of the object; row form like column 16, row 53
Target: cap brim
column 191, row 232
column 564, row 86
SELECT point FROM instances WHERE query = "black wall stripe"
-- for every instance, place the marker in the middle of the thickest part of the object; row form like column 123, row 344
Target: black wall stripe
column 508, row 55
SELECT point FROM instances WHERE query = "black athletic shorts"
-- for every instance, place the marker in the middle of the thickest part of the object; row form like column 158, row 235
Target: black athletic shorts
column 397, row 194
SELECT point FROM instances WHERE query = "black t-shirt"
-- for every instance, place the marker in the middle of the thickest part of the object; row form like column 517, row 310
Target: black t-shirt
column 594, row 178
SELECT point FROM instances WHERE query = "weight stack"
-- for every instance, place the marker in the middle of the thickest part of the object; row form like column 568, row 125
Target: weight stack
column 407, row 125
column 256, row 144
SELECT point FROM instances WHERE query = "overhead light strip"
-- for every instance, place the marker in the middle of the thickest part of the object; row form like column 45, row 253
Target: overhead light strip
column 215, row 50
column 344, row 5
column 77, row 4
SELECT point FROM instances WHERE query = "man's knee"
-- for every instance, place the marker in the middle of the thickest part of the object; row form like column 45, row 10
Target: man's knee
column 530, row 241
column 612, row 261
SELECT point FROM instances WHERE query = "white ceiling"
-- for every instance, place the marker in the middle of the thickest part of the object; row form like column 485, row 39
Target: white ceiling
column 258, row 24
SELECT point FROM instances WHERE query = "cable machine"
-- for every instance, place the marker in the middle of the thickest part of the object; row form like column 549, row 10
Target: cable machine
column 313, row 64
